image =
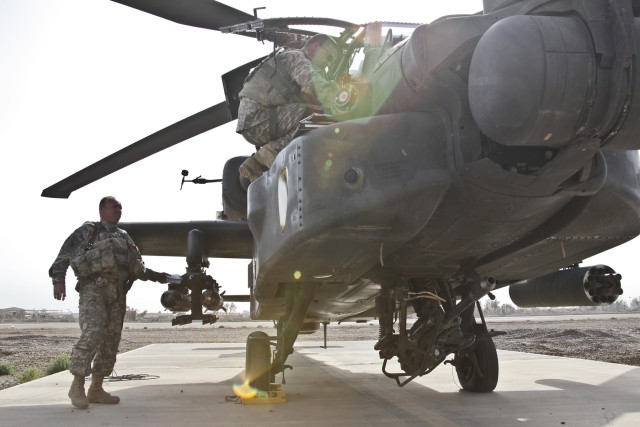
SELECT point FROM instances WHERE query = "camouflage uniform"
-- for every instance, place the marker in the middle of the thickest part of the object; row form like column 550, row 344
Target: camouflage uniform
column 104, row 274
column 285, row 88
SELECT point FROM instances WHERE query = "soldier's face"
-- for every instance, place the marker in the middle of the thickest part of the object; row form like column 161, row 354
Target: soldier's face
column 111, row 212
column 324, row 55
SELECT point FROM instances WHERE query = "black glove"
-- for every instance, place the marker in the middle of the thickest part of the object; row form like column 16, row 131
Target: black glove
column 157, row 277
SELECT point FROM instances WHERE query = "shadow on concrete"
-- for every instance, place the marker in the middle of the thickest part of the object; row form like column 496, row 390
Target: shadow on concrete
column 324, row 395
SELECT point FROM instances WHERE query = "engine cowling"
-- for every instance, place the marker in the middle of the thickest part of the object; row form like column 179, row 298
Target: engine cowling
column 530, row 79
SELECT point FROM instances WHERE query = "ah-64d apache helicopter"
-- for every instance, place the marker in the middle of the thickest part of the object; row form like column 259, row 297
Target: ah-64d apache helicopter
column 480, row 152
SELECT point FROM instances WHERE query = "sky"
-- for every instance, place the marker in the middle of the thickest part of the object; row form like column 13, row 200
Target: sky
column 81, row 79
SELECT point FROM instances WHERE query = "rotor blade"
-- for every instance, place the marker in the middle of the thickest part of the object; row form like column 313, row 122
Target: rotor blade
column 191, row 126
column 207, row 14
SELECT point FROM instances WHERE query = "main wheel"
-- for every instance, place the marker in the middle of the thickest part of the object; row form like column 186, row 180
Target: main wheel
column 258, row 361
column 486, row 379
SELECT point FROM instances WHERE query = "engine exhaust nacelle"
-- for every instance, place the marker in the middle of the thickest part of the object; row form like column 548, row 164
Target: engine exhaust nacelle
column 584, row 286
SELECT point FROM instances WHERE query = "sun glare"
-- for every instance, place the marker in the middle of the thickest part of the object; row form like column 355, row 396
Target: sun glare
column 244, row 391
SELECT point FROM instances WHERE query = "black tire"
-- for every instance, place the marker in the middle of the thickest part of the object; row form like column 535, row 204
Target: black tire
column 487, row 357
column 258, row 361
column 234, row 190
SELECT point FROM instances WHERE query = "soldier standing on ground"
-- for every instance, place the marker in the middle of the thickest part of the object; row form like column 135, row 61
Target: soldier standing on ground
column 280, row 92
column 106, row 261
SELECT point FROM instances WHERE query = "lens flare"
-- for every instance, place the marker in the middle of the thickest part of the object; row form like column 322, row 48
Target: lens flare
column 328, row 164
column 297, row 275
column 244, row 391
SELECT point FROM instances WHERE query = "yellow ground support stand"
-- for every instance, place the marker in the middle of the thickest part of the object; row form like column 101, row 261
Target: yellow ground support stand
column 274, row 395
column 250, row 396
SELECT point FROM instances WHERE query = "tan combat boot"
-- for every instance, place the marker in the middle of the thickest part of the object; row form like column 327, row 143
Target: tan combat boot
column 76, row 393
column 96, row 393
column 256, row 165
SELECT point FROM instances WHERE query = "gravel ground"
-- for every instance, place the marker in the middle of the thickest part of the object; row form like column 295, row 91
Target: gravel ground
column 614, row 340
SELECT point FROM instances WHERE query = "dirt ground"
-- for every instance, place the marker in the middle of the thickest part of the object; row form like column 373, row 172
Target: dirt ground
column 614, row 340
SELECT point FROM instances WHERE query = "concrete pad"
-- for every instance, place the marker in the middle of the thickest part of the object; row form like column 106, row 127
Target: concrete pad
column 187, row 384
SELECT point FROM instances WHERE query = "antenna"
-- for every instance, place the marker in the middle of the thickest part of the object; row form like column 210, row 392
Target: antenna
column 197, row 180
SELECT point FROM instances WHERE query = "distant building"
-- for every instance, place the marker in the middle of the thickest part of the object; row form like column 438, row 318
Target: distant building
column 15, row 314
column 130, row 315
column 12, row 314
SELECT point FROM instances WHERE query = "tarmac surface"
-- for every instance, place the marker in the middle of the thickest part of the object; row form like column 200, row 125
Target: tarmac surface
column 188, row 384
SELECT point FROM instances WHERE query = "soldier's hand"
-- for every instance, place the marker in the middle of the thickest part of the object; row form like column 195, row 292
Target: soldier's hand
column 59, row 291
column 158, row 277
